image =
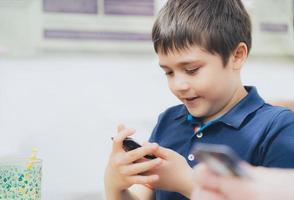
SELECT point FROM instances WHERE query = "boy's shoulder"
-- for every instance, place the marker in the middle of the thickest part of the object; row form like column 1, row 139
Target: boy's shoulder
column 276, row 116
column 277, row 112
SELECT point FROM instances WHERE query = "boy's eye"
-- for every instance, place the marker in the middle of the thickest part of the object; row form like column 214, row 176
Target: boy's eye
column 168, row 73
column 192, row 71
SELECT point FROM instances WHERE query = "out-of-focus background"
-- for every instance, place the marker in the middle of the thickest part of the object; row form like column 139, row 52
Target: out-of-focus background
column 71, row 70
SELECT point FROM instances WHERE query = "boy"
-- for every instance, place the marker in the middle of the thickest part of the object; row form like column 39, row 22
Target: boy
column 202, row 46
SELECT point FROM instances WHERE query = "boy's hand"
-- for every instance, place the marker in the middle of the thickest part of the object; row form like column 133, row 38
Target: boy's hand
column 174, row 173
column 122, row 170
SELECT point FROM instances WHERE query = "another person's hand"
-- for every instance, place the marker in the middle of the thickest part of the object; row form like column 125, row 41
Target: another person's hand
column 174, row 173
column 264, row 184
column 122, row 170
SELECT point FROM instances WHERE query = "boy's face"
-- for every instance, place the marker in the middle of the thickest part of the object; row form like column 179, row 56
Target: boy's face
column 200, row 80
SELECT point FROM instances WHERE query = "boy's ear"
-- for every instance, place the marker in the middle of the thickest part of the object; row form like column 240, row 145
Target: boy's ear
column 240, row 55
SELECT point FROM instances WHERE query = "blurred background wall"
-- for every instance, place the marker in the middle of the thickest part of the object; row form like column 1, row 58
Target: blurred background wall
column 71, row 70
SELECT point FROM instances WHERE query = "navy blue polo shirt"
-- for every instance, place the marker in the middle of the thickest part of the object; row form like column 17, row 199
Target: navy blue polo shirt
column 259, row 133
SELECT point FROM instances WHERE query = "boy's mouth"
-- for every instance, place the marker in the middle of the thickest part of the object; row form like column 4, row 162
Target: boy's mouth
column 190, row 99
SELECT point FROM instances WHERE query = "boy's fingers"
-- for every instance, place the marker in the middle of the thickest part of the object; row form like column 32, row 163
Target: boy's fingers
column 138, row 168
column 162, row 152
column 118, row 139
column 138, row 179
column 139, row 153
column 120, row 127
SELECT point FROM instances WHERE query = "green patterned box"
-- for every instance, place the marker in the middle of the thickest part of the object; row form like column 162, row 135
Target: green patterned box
column 20, row 179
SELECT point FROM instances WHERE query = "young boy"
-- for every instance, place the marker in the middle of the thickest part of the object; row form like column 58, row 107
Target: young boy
column 202, row 46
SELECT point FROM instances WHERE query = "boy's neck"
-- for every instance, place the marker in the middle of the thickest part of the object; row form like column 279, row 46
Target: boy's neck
column 238, row 95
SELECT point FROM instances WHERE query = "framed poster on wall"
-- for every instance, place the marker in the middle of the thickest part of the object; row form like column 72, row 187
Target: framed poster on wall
column 103, row 25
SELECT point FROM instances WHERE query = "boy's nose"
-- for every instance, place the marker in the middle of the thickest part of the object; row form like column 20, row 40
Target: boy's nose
column 181, row 85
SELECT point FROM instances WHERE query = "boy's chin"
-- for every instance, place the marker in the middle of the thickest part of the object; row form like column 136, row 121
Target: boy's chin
column 197, row 113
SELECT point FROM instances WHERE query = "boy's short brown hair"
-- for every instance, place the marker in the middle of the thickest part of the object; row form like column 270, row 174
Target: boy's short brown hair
column 217, row 26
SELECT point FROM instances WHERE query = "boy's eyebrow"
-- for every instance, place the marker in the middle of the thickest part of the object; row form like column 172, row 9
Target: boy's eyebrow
column 180, row 64
column 163, row 66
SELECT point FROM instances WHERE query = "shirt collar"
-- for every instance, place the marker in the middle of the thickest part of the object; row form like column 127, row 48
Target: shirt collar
column 249, row 104
column 183, row 113
column 238, row 113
